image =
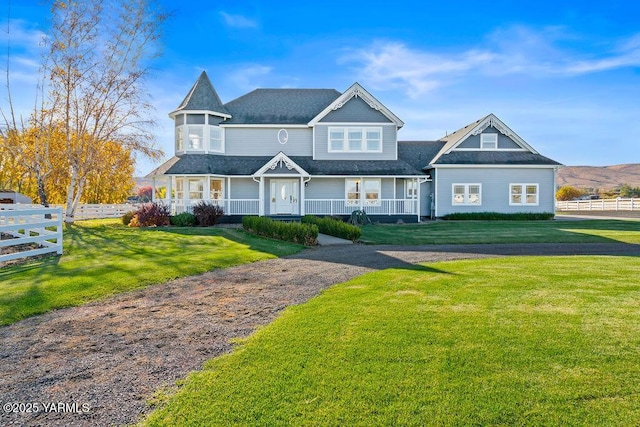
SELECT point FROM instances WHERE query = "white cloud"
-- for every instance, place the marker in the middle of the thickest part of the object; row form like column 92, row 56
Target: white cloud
column 238, row 21
column 248, row 77
column 513, row 50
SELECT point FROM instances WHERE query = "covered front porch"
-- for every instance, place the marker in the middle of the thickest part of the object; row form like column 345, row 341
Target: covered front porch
column 282, row 188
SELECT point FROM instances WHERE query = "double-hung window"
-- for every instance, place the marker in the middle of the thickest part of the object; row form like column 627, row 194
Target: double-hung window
column 216, row 189
column 355, row 139
column 467, row 194
column 366, row 192
column 489, row 141
column 215, row 139
column 523, row 194
column 352, row 191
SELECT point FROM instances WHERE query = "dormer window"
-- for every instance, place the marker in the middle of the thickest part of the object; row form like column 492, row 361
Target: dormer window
column 193, row 134
column 489, row 141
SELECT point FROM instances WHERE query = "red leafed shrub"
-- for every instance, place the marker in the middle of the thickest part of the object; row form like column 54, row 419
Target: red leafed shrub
column 151, row 215
column 207, row 214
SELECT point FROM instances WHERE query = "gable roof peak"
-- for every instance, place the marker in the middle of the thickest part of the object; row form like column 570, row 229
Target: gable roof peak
column 203, row 97
column 356, row 90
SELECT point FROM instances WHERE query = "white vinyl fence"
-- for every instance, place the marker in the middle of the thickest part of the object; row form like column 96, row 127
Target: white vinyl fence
column 88, row 211
column 40, row 228
column 618, row 204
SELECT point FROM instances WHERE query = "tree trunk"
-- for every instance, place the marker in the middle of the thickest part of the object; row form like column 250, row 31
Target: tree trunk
column 70, row 208
column 42, row 193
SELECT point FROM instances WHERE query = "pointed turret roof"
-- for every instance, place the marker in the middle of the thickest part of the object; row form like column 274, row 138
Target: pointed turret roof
column 203, row 97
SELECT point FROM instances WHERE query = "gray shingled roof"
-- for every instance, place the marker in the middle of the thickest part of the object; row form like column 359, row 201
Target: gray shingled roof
column 280, row 106
column 418, row 153
column 203, row 96
column 200, row 164
column 494, row 158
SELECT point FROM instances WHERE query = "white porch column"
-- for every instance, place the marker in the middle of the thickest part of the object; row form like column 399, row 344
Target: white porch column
column 395, row 194
column 168, row 197
column 226, row 195
column 261, row 197
column 207, row 188
column 417, row 199
column 302, row 196
column 153, row 189
column 362, row 193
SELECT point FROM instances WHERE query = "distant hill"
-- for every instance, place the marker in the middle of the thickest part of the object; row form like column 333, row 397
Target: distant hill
column 605, row 178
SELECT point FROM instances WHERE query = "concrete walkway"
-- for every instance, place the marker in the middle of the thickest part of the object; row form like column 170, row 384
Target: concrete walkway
column 326, row 240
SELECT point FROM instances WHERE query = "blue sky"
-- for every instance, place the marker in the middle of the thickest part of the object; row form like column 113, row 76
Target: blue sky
column 564, row 75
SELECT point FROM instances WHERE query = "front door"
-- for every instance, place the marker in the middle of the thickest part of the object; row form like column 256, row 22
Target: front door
column 285, row 196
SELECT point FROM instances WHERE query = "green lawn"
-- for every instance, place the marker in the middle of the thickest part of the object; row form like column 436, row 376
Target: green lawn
column 104, row 257
column 506, row 341
column 468, row 232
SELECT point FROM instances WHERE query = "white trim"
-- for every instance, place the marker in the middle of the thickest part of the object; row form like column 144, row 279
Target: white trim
column 492, row 149
column 357, row 91
column 283, row 160
column 249, row 125
column 356, row 124
column 523, row 194
column 499, row 166
column 210, row 112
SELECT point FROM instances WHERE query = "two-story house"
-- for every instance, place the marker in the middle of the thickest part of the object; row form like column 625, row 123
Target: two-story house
column 291, row 152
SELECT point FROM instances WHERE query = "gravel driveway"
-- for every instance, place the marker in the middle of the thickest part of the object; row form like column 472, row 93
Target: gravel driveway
column 98, row 364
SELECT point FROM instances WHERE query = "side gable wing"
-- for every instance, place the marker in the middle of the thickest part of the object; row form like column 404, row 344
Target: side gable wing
column 461, row 139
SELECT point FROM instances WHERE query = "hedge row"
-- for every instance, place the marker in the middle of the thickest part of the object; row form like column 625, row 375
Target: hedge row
column 334, row 227
column 492, row 216
column 305, row 234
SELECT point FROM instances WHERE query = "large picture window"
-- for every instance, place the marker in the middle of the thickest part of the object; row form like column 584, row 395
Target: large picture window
column 523, row 194
column 467, row 194
column 355, row 139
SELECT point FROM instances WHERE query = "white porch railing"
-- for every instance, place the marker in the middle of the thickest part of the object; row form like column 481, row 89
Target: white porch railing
column 230, row 206
column 26, row 225
column 380, row 207
column 599, row 205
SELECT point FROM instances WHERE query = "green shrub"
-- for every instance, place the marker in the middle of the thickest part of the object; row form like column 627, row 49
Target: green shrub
column 207, row 214
column 359, row 218
column 126, row 218
column 151, row 215
column 334, row 227
column 494, row 216
column 184, row 219
column 305, row 234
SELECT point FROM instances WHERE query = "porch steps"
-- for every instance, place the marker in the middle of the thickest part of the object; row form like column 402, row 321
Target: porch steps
column 286, row 218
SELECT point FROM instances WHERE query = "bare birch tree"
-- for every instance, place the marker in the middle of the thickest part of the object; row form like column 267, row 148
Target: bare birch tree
column 100, row 54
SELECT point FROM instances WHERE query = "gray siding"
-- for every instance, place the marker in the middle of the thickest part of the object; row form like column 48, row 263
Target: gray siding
column 495, row 188
column 264, row 142
column 244, row 188
column 355, row 111
column 389, row 146
column 325, row 188
column 504, row 141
